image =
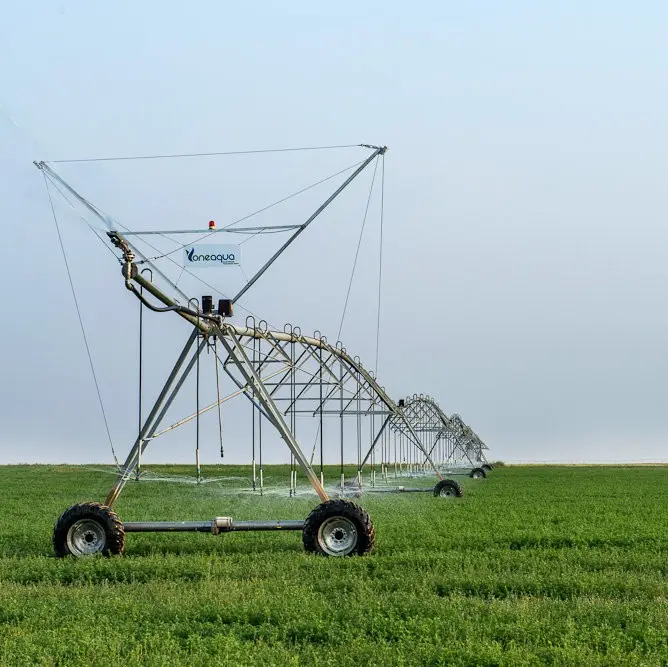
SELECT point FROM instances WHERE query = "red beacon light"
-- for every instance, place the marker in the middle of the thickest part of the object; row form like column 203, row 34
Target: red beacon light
column 212, row 225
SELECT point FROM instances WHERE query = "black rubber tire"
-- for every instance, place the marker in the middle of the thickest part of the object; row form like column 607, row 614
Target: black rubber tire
column 451, row 485
column 487, row 467
column 478, row 473
column 347, row 511
column 101, row 514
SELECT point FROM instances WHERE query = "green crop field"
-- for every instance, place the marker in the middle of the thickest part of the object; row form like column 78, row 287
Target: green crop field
column 535, row 565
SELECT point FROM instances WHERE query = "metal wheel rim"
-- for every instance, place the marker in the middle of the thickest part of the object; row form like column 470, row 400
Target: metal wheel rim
column 85, row 537
column 446, row 492
column 337, row 536
column 476, row 475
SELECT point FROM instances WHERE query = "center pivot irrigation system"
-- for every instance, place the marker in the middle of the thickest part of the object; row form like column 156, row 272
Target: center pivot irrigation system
column 286, row 376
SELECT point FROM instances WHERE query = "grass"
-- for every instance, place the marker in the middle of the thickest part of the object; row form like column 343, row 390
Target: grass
column 535, row 565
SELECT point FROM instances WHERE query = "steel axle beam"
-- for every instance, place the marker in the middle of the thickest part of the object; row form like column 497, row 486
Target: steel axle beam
column 221, row 524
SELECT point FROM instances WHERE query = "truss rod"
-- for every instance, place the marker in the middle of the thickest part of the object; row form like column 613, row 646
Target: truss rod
column 234, row 349
column 151, row 426
column 222, row 230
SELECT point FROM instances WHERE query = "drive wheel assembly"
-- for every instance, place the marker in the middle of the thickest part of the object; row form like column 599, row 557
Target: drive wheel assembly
column 338, row 528
column 448, row 488
column 478, row 473
column 88, row 528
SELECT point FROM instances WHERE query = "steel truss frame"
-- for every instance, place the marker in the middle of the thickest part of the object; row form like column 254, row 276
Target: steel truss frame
column 283, row 374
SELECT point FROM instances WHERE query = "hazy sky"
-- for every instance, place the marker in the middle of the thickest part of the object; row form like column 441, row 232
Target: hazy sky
column 525, row 229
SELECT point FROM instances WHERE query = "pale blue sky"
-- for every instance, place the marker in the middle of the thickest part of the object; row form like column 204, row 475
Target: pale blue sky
column 526, row 237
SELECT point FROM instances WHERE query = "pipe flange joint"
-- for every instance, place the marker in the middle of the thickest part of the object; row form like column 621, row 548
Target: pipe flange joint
column 221, row 524
column 129, row 270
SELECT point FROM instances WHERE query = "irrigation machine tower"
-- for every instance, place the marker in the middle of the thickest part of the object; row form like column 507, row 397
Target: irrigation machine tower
column 285, row 375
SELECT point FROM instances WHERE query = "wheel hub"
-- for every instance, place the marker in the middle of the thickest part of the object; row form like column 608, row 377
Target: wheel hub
column 337, row 536
column 86, row 536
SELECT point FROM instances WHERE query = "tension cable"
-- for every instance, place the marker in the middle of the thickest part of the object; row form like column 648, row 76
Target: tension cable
column 220, row 153
column 380, row 260
column 254, row 213
column 357, row 252
column 81, row 324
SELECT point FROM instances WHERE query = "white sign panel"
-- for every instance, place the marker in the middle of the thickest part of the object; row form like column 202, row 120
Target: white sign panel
column 197, row 256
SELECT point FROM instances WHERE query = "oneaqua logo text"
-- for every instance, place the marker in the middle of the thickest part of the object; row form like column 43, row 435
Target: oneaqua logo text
column 211, row 255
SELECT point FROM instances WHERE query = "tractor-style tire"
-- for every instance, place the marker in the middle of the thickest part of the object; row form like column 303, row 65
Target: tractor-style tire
column 478, row 473
column 88, row 528
column 448, row 488
column 487, row 467
column 338, row 528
